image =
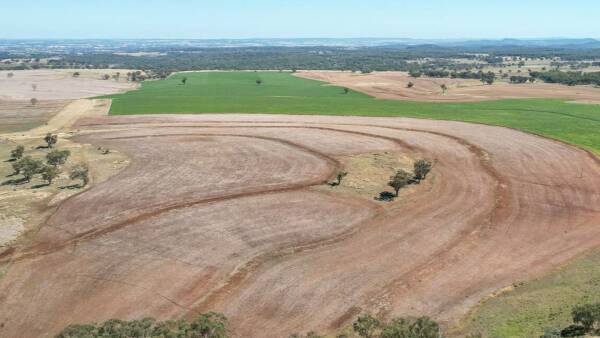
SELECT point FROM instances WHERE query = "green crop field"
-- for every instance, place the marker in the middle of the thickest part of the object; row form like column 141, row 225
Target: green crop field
column 283, row 93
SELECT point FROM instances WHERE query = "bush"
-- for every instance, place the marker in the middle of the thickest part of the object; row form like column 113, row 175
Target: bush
column 587, row 315
column 50, row 140
column 80, row 172
column 423, row 327
column 17, row 153
column 365, row 326
column 421, row 169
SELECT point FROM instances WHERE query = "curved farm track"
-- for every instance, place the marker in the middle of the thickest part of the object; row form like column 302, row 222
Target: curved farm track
column 218, row 212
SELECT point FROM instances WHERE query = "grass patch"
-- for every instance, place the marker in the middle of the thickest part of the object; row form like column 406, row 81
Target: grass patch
column 282, row 93
column 542, row 303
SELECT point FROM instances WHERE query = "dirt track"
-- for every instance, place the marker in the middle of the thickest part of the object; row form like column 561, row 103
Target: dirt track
column 217, row 212
column 393, row 85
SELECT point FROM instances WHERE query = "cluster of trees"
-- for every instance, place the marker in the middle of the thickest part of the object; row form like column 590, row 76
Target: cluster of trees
column 586, row 319
column 399, row 180
column 403, row 178
column 49, row 170
column 208, row 325
column 568, row 78
column 215, row 325
column 367, row 326
column 520, row 79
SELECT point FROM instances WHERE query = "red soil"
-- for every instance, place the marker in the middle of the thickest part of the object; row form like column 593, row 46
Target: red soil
column 216, row 213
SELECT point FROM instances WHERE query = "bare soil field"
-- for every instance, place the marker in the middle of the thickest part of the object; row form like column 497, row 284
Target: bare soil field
column 19, row 115
column 393, row 85
column 59, row 84
column 53, row 90
column 232, row 213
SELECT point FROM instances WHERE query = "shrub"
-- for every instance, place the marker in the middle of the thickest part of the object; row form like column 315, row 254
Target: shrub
column 80, row 172
column 17, row 153
column 587, row 315
column 365, row 326
column 50, row 140
column 421, row 169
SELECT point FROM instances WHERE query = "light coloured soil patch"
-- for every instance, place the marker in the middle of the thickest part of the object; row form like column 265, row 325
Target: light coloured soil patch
column 393, row 85
column 60, row 84
column 224, row 212
column 24, row 206
column 368, row 174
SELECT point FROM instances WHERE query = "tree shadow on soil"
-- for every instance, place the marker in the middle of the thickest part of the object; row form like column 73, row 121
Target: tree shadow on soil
column 385, row 196
column 71, row 187
column 15, row 181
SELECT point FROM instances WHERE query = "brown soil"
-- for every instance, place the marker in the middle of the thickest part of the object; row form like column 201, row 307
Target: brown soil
column 229, row 213
column 393, row 85
column 16, row 116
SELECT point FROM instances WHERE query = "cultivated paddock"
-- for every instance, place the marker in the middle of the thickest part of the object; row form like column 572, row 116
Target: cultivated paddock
column 230, row 213
column 393, row 85
column 53, row 90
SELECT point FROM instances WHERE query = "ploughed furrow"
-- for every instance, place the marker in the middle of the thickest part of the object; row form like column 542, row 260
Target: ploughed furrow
column 215, row 213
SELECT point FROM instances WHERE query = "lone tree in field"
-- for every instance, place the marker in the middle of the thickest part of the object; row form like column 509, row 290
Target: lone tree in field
column 17, row 153
column 421, row 169
column 365, row 326
column 33, row 101
column 259, row 81
column 410, row 85
column 57, row 157
column 76, row 74
column 399, row 180
column 184, row 81
column 49, row 173
column 346, row 90
column 444, row 88
column 80, row 172
column 29, row 167
column 50, row 139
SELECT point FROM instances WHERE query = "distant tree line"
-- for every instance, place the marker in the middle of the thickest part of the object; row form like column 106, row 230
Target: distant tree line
column 568, row 78
column 389, row 58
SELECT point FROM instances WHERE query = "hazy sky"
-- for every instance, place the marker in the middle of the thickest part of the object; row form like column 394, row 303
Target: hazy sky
column 298, row 18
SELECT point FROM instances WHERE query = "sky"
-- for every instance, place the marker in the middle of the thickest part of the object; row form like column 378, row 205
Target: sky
column 434, row 19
